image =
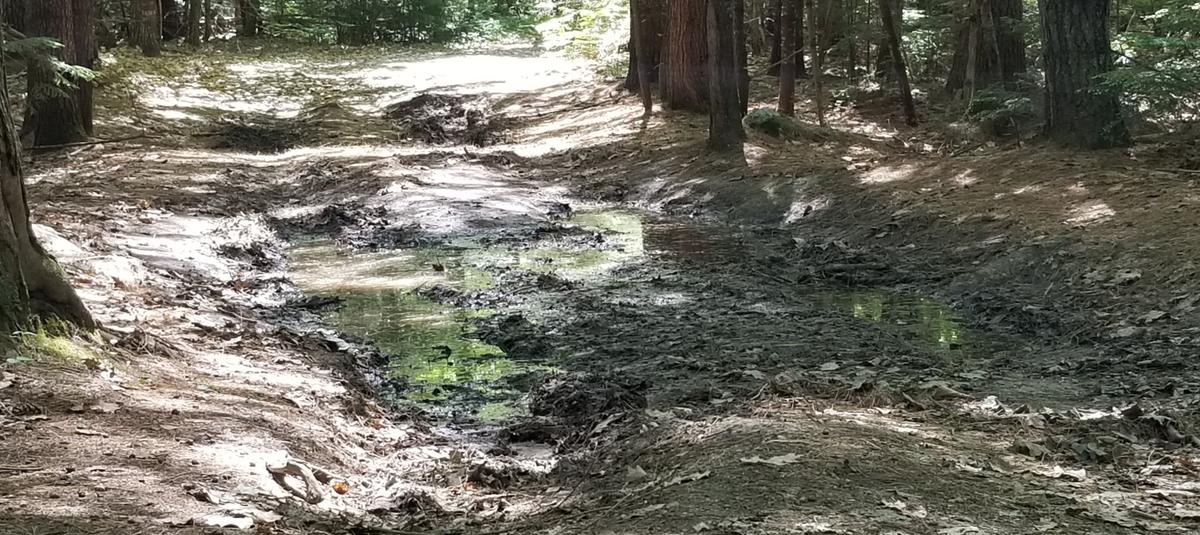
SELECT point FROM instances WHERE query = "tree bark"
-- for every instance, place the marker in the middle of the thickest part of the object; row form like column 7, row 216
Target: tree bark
column 174, row 21
column 787, row 70
column 683, row 79
column 725, row 133
column 801, row 68
column 248, row 17
column 651, row 22
column 146, row 28
column 52, row 115
column 1079, row 110
column 30, row 279
column 887, row 15
column 816, row 51
column 86, row 55
column 208, row 20
column 883, row 60
column 991, row 47
column 194, row 10
column 743, row 59
column 776, row 37
column 639, row 58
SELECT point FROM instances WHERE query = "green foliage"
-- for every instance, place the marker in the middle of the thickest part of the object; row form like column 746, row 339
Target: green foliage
column 1158, row 59
column 360, row 22
column 998, row 105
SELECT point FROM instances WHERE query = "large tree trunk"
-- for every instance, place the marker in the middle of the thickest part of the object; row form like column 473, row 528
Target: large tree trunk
column 887, row 10
column 248, row 17
column 683, row 79
column 53, row 113
column 14, row 14
column 1079, row 111
column 30, row 279
column 787, row 70
column 725, row 131
column 146, row 28
column 194, row 9
column 991, row 47
column 651, row 24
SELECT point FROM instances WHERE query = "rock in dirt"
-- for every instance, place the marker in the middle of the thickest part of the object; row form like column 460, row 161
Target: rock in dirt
column 439, row 119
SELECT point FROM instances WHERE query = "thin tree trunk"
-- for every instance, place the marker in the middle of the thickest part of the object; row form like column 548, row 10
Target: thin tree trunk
column 991, row 47
column 776, row 37
column 208, row 20
column 30, row 279
column 1079, row 110
column 725, row 131
column 641, row 63
column 893, row 36
column 147, row 27
column 801, row 68
column 194, row 10
column 743, row 59
column 653, row 18
column 86, row 55
column 53, row 114
column 684, row 75
column 818, row 59
column 787, row 70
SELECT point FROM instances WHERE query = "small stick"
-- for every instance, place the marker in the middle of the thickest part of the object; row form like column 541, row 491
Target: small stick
column 86, row 143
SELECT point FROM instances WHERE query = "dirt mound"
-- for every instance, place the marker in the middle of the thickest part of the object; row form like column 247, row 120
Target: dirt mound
column 356, row 226
column 440, row 119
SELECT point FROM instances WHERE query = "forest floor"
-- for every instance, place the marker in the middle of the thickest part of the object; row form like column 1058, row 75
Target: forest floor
column 475, row 293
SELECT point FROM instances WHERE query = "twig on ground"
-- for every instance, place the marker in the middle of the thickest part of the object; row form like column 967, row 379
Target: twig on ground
column 87, row 143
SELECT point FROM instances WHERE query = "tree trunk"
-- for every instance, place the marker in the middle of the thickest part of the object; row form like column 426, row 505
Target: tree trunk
column 248, row 18
column 801, row 68
column 652, row 19
column 194, row 10
column 787, row 70
column 684, row 78
column 883, row 59
column 146, row 28
column 816, row 51
column 725, row 131
column 208, row 20
column 776, row 37
column 173, row 19
column 991, row 47
column 1079, row 111
column 640, row 63
column 743, row 59
column 30, row 279
column 86, row 54
column 14, row 14
column 52, row 114
column 887, row 15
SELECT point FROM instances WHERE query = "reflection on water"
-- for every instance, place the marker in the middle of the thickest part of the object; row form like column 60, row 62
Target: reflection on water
column 926, row 320
column 433, row 347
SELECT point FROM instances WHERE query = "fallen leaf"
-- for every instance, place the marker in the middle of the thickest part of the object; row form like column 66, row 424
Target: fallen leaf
column 1058, row 472
column 89, row 432
column 780, row 460
column 703, row 526
column 1152, row 316
column 341, row 487
column 830, row 366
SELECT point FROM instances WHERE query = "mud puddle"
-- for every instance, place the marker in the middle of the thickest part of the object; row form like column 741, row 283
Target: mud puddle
column 424, row 307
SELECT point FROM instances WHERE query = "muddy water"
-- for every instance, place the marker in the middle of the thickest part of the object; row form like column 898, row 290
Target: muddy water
column 435, row 351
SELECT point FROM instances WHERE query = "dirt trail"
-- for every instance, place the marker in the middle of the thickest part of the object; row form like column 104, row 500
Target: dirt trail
column 555, row 333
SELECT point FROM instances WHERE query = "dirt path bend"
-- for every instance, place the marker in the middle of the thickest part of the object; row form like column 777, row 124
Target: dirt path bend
column 443, row 302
